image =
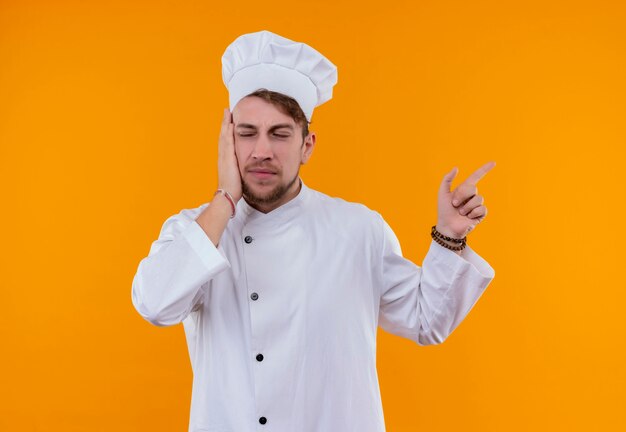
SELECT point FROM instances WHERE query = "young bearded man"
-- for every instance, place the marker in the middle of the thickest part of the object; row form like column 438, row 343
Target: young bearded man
column 280, row 287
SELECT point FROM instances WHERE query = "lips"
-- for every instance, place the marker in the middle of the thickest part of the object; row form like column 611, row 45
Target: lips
column 262, row 173
column 262, row 170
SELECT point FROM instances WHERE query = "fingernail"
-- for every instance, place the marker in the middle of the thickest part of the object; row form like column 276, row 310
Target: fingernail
column 455, row 202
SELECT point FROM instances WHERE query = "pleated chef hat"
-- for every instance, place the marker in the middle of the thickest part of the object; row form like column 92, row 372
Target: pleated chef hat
column 266, row 60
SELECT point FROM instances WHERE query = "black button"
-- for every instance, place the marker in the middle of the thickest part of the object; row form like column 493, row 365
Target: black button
column 259, row 357
column 248, row 239
column 262, row 420
column 254, row 296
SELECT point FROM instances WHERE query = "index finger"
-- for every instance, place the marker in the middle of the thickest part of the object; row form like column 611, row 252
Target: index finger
column 480, row 172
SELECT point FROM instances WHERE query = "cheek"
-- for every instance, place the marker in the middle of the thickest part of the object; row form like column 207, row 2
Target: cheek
column 294, row 161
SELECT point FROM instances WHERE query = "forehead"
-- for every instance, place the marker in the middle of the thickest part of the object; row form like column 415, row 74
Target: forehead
column 257, row 112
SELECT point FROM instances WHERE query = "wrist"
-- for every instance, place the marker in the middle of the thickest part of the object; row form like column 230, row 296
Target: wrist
column 235, row 197
column 448, row 232
column 221, row 204
column 227, row 201
column 453, row 242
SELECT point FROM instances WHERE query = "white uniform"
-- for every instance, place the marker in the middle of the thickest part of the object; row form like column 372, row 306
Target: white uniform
column 281, row 318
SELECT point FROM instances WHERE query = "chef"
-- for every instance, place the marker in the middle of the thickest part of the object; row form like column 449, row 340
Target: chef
column 280, row 287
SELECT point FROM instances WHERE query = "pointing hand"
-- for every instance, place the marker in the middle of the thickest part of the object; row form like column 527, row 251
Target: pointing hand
column 459, row 211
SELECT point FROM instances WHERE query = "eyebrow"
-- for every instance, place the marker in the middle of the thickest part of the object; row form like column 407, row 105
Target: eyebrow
column 273, row 128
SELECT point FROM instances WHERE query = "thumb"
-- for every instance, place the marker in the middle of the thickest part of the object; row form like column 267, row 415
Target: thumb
column 446, row 183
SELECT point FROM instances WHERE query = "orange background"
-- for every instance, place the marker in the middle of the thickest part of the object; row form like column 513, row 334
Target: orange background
column 109, row 119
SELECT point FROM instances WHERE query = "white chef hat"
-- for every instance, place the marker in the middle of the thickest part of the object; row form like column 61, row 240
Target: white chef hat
column 266, row 60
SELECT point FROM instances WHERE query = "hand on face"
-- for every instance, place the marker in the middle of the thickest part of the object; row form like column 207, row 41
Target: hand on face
column 229, row 177
column 459, row 212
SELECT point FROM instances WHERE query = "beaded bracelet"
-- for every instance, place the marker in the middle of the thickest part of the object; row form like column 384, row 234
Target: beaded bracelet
column 229, row 198
column 437, row 236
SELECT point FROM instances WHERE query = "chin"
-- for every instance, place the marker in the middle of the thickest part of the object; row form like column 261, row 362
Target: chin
column 264, row 185
column 259, row 193
column 266, row 192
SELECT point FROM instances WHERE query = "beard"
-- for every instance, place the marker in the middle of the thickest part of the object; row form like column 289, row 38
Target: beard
column 271, row 197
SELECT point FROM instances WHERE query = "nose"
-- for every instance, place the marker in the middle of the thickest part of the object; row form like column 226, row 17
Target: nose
column 262, row 148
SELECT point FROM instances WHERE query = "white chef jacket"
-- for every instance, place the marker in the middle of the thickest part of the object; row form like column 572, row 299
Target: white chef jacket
column 281, row 318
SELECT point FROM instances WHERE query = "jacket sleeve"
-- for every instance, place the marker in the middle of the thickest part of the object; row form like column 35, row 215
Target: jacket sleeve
column 171, row 281
column 425, row 304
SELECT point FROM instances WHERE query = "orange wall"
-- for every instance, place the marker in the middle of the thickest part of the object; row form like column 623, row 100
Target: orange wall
column 109, row 118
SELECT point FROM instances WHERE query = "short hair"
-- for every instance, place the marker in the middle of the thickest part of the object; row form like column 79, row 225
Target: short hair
column 287, row 105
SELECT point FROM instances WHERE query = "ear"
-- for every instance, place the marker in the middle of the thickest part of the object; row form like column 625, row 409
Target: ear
column 307, row 147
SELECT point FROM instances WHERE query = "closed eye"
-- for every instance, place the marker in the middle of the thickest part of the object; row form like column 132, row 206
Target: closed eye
column 276, row 135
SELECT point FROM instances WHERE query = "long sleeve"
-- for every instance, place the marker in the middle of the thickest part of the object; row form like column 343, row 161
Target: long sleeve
column 171, row 281
column 425, row 304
